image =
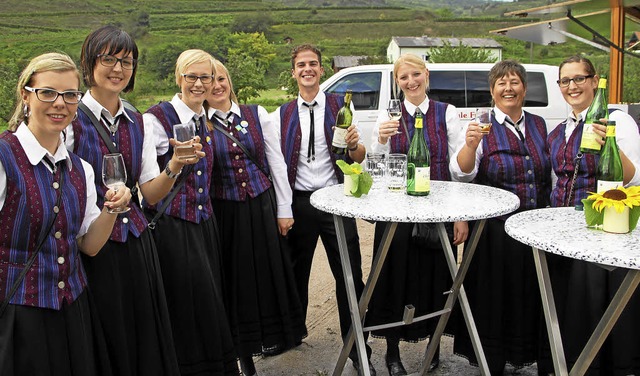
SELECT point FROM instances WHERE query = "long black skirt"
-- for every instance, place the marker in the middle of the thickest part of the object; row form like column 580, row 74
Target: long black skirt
column 413, row 274
column 263, row 307
column 46, row 342
column 504, row 297
column 126, row 284
column 189, row 255
column 582, row 291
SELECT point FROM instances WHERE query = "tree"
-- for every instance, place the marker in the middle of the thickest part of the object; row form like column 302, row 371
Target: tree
column 248, row 61
column 252, row 23
column 9, row 73
column 460, row 54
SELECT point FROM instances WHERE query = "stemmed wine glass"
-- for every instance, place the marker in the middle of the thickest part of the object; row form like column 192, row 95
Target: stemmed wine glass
column 394, row 109
column 114, row 175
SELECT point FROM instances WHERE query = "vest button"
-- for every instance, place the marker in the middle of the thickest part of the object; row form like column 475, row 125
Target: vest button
column 199, row 207
column 237, row 157
column 125, row 220
column 240, row 170
column 200, row 190
column 56, row 209
column 56, row 185
column 234, row 144
column 57, row 235
column 60, row 260
column 199, row 172
column 244, row 184
column 61, row 284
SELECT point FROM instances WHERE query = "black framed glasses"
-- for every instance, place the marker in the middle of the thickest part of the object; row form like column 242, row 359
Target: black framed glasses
column 111, row 61
column 50, row 95
column 578, row 80
column 191, row 78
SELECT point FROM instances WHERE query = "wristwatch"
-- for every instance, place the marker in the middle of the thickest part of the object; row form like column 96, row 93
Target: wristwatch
column 170, row 174
column 354, row 148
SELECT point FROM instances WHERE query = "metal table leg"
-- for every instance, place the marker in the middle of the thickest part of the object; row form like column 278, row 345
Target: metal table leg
column 358, row 309
column 457, row 289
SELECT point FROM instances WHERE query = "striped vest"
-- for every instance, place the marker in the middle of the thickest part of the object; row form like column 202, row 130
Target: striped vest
column 235, row 176
column 57, row 274
column 291, row 135
column 521, row 168
column 192, row 203
column 435, row 134
column 89, row 146
column 563, row 160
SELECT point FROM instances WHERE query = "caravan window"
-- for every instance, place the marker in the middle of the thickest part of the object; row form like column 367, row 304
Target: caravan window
column 365, row 88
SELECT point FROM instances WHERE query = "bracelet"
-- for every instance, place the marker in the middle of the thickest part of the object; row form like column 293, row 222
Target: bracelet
column 354, row 149
column 170, row 174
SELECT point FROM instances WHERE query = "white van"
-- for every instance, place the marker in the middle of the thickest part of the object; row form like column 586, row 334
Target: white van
column 464, row 85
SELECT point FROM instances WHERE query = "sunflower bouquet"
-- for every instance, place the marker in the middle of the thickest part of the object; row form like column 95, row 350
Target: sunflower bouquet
column 356, row 181
column 616, row 210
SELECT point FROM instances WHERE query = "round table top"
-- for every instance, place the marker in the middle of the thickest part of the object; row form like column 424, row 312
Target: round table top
column 563, row 231
column 447, row 202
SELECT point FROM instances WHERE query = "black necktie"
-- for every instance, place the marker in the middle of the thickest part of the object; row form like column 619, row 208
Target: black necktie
column 224, row 118
column 516, row 126
column 49, row 163
column 311, row 149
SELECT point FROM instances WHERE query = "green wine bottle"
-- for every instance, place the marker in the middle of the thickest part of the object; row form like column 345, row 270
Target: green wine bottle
column 609, row 173
column 418, row 162
column 598, row 110
column 343, row 121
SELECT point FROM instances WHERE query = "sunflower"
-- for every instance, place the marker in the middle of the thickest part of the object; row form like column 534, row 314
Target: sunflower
column 617, row 198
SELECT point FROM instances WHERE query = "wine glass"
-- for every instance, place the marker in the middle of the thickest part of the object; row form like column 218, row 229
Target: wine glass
column 114, row 175
column 483, row 117
column 184, row 133
column 394, row 109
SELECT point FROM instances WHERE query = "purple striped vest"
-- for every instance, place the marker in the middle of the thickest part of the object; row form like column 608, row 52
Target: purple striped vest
column 563, row 159
column 521, row 168
column 89, row 146
column 435, row 133
column 57, row 275
column 235, row 176
column 291, row 135
column 193, row 202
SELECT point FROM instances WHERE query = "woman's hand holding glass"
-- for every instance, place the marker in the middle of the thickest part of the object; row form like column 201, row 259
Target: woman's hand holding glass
column 114, row 176
column 179, row 160
column 478, row 128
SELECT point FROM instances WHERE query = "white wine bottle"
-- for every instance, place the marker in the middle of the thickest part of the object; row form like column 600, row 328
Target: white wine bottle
column 609, row 173
column 598, row 110
column 343, row 121
column 418, row 162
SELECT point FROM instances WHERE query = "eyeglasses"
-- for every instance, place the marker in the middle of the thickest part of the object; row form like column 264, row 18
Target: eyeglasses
column 191, row 78
column 111, row 61
column 50, row 95
column 578, row 80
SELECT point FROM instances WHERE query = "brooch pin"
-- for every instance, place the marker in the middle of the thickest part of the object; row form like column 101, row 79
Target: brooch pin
column 242, row 127
column 208, row 139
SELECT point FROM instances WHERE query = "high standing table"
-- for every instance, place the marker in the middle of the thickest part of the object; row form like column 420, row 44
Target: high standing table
column 447, row 202
column 564, row 232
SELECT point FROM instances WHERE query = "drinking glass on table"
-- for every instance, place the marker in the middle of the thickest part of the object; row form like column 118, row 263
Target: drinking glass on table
column 114, row 175
column 184, row 134
column 396, row 172
column 483, row 118
column 376, row 167
column 394, row 109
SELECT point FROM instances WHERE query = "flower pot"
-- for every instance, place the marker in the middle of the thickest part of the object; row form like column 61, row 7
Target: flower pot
column 614, row 222
column 349, row 185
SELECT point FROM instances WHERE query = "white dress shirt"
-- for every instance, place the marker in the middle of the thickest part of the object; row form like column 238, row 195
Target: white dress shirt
column 455, row 131
column 277, row 165
column 35, row 153
column 150, row 169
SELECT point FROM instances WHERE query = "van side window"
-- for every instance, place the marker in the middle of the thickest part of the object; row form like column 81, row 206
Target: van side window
column 537, row 95
column 459, row 88
column 365, row 88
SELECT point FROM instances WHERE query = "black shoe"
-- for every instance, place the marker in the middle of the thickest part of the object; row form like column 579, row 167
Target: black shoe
column 396, row 368
column 356, row 365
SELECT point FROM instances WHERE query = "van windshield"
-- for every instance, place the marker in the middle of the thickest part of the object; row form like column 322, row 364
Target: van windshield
column 365, row 88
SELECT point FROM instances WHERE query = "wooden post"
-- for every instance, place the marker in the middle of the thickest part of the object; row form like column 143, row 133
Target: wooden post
column 616, row 58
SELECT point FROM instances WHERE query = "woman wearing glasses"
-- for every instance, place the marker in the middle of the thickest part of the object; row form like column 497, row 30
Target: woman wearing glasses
column 582, row 290
column 125, row 278
column 48, row 215
column 186, row 231
column 264, row 309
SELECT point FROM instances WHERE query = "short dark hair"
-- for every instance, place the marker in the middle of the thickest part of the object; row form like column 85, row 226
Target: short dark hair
column 110, row 40
column 503, row 68
column 305, row 47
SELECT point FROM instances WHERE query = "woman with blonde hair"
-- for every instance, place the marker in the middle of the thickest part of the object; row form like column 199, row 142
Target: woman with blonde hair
column 48, row 217
column 186, row 232
column 263, row 306
column 414, row 272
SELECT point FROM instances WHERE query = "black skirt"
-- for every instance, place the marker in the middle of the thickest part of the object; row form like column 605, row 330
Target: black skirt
column 504, row 297
column 412, row 274
column 582, row 292
column 47, row 342
column 126, row 284
column 263, row 307
column 189, row 255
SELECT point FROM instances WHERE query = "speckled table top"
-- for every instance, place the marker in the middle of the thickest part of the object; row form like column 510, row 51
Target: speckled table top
column 447, row 202
column 563, row 231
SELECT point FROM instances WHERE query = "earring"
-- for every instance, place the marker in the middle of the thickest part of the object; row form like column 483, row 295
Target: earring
column 25, row 111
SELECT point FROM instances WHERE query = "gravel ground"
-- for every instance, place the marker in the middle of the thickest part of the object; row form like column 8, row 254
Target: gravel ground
column 319, row 352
